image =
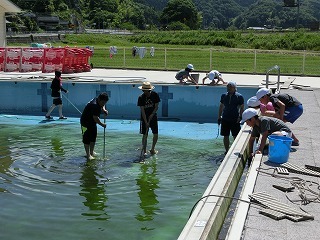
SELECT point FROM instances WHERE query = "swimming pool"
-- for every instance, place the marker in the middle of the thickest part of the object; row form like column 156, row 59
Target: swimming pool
column 48, row 189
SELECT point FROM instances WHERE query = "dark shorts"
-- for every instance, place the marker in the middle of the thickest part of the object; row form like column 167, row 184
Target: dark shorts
column 291, row 114
column 226, row 127
column 89, row 134
column 153, row 126
column 57, row 101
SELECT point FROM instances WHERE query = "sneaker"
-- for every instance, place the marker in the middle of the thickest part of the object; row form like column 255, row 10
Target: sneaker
column 91, row 158
column 49, row 117
column 63, row 117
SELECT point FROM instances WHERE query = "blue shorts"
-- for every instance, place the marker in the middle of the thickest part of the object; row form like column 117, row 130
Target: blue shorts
column 291, row 114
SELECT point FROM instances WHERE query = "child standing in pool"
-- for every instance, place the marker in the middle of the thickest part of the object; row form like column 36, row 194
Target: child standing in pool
column 56, row 88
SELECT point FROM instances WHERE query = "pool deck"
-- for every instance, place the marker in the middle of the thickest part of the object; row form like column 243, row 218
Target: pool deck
column 255, row 225
column 161, row 77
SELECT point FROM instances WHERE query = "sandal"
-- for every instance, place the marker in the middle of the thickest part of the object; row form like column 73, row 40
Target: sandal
column 295, row 143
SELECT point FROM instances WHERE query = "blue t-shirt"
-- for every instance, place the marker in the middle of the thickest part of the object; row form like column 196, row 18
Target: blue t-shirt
column 231, row 104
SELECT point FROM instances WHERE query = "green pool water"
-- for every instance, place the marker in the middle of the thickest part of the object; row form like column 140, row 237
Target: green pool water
column 48, row 190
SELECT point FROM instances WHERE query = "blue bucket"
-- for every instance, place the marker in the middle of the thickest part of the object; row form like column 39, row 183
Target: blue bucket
column 279, row 148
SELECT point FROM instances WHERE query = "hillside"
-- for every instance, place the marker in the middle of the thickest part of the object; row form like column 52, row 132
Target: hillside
column 146, row 14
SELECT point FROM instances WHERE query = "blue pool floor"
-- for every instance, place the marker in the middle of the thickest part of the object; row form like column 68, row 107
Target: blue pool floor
column 49, row 190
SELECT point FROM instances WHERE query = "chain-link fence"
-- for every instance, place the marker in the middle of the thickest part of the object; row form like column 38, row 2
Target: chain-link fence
column 205, row 59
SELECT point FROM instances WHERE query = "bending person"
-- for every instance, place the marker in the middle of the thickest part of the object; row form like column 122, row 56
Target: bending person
column 89, row 120
column 214, row 74
column 265, row 126
column 287, row 108
column 184, row 75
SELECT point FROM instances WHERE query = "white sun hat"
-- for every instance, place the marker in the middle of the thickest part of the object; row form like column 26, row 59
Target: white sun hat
column 262, row 92
column 248, row 113
column 190, row 66
column 253, row 102
column 211, row 75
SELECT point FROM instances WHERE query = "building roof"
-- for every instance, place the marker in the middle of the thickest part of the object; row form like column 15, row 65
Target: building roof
column 8, row 6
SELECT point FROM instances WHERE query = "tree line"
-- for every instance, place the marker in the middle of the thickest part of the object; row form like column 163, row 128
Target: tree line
column 171, row 14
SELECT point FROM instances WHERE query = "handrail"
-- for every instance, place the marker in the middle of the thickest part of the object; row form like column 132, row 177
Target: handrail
column 275, row 67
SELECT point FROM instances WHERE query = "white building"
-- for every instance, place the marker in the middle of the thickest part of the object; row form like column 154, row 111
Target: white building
column 6, row 6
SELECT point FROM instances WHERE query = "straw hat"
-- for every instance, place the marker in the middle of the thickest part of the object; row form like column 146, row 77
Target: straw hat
column 146, row 86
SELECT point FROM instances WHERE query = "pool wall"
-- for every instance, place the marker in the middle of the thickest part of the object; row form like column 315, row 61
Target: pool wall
column 185, row 103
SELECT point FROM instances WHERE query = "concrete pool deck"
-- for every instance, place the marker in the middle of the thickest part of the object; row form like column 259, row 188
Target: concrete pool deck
column 255, row 225
column 161, row 77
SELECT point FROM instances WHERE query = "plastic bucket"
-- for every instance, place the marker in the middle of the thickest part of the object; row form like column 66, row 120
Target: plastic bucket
column 279, row 148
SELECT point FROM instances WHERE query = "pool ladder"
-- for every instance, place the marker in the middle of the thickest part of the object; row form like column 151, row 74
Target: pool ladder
column 275, row 67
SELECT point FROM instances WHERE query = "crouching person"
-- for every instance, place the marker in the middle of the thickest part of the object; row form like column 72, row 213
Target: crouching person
column 265, row 126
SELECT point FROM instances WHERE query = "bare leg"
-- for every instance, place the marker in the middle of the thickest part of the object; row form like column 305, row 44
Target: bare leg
column 226, row 143
column 92, row 144
column 89, row 150
column 50, row 110
column 60, row 110
column 154, row 142
column 295, row 139
column 144, row 143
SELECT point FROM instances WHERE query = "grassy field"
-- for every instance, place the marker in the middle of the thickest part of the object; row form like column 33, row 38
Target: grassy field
column 203, row 57
column 235, row 52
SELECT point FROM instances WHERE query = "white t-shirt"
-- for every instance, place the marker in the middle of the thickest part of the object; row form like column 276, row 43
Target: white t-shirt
column 213, row 74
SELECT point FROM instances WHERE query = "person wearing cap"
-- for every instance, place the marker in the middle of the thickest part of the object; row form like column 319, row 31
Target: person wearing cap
column 264, row 126
column 90, row 117
column 288, row 108
column 253, row 102
column 229, row 116
column 184, row 75
column 212, row 75
column 56, row 88
column 148, row 102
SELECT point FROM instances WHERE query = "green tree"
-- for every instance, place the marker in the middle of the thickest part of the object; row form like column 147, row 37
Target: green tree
column 130, row 12
column 183, row 11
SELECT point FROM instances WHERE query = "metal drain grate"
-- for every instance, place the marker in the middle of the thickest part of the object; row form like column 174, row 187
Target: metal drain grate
column 281, row 170
column 274, row 204
column 302, row 170
column 272, row 214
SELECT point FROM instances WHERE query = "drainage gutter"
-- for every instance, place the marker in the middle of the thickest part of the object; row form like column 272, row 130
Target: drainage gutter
column 208, row 216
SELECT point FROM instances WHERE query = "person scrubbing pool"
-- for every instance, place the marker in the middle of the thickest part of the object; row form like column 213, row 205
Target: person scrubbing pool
column 90, row 117
column 148, row 102
column 56, row 88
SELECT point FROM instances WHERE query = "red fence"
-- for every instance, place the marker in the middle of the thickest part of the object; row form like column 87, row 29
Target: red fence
column 67, row 60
